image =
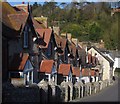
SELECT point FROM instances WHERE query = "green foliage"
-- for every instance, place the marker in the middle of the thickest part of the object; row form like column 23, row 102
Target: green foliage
column 94, row 32
column 86, row 21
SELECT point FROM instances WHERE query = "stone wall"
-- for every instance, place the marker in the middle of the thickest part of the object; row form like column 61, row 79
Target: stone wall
column 45, row 92
column 16, row 94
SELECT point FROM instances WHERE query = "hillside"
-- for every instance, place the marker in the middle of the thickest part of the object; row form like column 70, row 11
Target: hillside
column 86, row 21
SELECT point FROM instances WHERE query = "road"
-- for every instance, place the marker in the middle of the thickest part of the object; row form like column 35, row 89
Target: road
column 109, row 94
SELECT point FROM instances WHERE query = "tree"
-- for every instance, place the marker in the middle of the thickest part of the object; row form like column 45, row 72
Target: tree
column 94, row 32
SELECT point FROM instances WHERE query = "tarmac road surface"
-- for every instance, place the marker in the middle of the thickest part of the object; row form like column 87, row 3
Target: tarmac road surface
column 109, row 94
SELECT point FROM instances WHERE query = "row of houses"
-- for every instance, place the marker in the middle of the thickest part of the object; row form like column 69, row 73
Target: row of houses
column 32, row 52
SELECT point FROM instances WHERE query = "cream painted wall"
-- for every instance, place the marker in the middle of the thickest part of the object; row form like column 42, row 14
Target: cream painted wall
column 93, row 78
column 104, row 62
column 77, row 79
column 86, row 79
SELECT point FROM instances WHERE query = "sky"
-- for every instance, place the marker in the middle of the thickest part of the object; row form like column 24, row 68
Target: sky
column 14, row 2
column 32, row 1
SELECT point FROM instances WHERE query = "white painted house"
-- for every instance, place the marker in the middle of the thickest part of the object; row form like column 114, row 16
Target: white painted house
column 105, row 62
column 116, row 63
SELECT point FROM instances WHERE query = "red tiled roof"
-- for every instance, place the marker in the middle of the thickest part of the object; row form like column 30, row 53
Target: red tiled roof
column 73, row 48
column 22, row 7
column 60, row 40
column 7, row 9
column 36, row 24
column 85, row 72
column 76, row 71
column 79, row 47
column 47, row 35
column 64, row 69
column 19, row 10
column 89, row 58
column 18, row 62
column 11, row 18
column 18, row 20
column 46, row 66
column 92, row 72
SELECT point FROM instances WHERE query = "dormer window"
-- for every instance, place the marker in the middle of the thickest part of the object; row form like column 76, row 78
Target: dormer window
column 66, row 55
column 49, row 49
column 25, row 43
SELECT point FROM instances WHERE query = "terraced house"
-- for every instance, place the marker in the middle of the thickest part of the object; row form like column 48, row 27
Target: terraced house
column 35, row 52
column 18, row 34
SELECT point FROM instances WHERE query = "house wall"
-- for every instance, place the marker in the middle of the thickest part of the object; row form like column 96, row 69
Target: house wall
column 41, row 76
column 70, row 76
column 106, row 70
column 105, row 64
column 77, row 79
column 50, row 49
column 116, row 63
column 82, row 56
column 19, row 77
column 97, row 79
column 86, row 79
column 35, row 61
column 34, row 57
column 14, row 46
column 49, row 77
column 67, row 78
column 59, row 79
column 93, row 78
column 65, row 55
column 4, row 60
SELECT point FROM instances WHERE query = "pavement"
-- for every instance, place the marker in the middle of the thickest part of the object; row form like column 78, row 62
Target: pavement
column 109, row 94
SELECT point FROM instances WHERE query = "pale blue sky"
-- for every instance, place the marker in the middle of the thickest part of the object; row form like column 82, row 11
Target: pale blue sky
column 14, row 2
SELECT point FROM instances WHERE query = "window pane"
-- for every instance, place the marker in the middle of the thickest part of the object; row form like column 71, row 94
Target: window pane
column 26, row 37
column 49, row 49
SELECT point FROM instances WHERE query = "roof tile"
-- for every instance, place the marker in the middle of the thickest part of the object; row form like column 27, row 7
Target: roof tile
column 85, row 72
column 92, row 72
column 46, row 66
column 18, row 20
column 64, row 69
column 47, row 35
column 60, row 40
column 76, row 71
column 72, row 48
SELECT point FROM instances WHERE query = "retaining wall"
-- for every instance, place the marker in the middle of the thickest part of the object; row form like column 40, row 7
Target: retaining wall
column 45, row 92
